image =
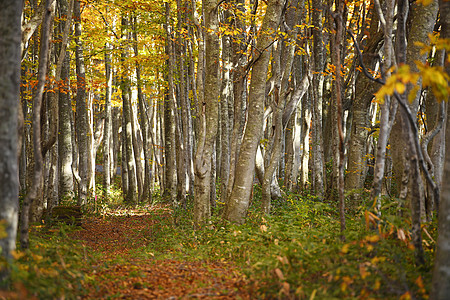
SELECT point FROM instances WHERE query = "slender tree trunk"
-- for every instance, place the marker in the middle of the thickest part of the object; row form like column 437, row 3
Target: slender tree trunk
column 441, row 273
column 182, row 105
column 385, row 124
column 66, row 184
column 131, row 196
column 170, row 177
column 136, row 139
column 433, row 142
column 304, row 139
column 146, row 192
column 338, row 87
column 289, row 180
column 239, row 93
column 245, row 167
column 37, row 102
column 82, row 118
column 10, row 21
column 318, row 180
column 364, row 90
column 422, row 19
column 208, row 115
column 226, row 97
column 108, row 126
column 282, row 74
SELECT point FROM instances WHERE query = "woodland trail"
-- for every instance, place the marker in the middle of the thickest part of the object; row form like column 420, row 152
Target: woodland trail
column 114, row 244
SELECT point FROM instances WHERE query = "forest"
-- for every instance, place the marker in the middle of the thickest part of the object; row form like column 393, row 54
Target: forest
column 224, row 149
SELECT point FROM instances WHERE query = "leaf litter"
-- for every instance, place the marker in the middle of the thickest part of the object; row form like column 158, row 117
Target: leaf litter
column 111, row 243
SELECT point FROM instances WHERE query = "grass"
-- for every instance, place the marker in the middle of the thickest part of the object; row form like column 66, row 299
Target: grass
column 295, row 253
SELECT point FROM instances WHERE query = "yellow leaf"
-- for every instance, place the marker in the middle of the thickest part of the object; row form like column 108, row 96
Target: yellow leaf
column 372, row 238
column 425, row 2
column 17, row 254
column 363, row 271
column 377, row 285
column 313, row 295
column 406, row 296
column 400, row 87
column 263, row 228
column 345, row 248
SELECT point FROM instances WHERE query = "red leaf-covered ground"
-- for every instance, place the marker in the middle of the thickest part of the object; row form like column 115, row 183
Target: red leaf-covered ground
column 119, row 272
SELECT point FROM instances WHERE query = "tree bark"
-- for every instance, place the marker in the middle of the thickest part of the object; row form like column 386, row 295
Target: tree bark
column 226, row 98
column 66, row 184
column 422, row 20
column 241, row 192
column 10, row 21
column 385, row 124
column 131, row 196
column 239, row 95
column 318, row 171
column 441, row 273
column 33, row 192
column 170, row 176
column 82, row 118
column 146, row 191
column 107, row 159
column 208, row 115
column 282, row 72
column 364, row 90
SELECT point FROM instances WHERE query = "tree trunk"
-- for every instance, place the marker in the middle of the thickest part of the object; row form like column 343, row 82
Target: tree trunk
column 336, row 58
column 422, row 19
column 385, row 124
column 131, row 196
column 318, row 171
column 33, row 192
column 66, row 185
column 108, row 126
column 245, row 167
column 10, row 20
column 146, row 191
column 304, row 138
column 441, row 273
column 170, row 177
column 364, row 90
column 208, row 115
column 282, row 73
column 239, row 95
column 226, row 98
column 82, row 118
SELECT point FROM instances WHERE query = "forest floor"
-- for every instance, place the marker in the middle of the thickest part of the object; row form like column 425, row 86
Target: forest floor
column 120, row 271
column 154, row 252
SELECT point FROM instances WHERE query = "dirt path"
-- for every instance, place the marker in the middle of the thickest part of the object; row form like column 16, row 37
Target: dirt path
column 119, row 272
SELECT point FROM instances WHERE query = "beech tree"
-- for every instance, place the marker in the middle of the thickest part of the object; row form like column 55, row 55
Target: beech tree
column 239, row 199
column 208, row 113
column 441, row 274
column 10, row 57
column 35, row 189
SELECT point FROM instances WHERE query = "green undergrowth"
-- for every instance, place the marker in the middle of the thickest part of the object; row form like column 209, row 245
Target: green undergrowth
column 51, row 268
column 298, row 253
column 295, row 253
